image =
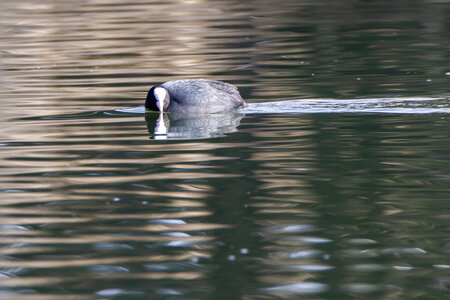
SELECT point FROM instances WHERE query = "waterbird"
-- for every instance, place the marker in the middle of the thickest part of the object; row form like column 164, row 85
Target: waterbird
column 194, row 96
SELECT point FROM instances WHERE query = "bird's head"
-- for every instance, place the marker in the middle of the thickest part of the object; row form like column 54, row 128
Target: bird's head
column 158, row 99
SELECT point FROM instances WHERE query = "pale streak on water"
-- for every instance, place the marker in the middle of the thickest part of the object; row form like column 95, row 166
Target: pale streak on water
column 341, row 193
column 399, row 105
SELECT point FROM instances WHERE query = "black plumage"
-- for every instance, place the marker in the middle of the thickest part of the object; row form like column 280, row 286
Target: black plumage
column 195, row 96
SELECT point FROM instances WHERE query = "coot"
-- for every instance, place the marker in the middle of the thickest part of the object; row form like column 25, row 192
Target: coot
column 194, row 96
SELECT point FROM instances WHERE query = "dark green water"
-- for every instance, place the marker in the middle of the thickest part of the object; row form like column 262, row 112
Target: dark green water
column 343, row 198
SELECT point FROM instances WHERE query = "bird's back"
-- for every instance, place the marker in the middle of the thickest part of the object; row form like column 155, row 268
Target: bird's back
column 202, row 96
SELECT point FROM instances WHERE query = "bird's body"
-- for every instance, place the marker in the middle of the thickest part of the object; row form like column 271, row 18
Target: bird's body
column 194, row 96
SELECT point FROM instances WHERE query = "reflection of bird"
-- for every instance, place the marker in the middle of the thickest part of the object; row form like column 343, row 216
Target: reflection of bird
column 198, row 96
column 190, row 126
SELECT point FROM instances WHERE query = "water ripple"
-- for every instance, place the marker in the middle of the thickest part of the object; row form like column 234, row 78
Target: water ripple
column 336, row 194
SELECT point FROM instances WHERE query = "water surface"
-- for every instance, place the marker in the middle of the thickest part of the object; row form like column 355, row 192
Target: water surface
column 332, row 184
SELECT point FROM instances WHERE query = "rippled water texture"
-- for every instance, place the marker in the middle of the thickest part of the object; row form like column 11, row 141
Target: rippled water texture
column 333, row 183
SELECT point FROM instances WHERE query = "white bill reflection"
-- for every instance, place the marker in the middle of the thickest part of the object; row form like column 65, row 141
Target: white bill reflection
column 176, row 126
